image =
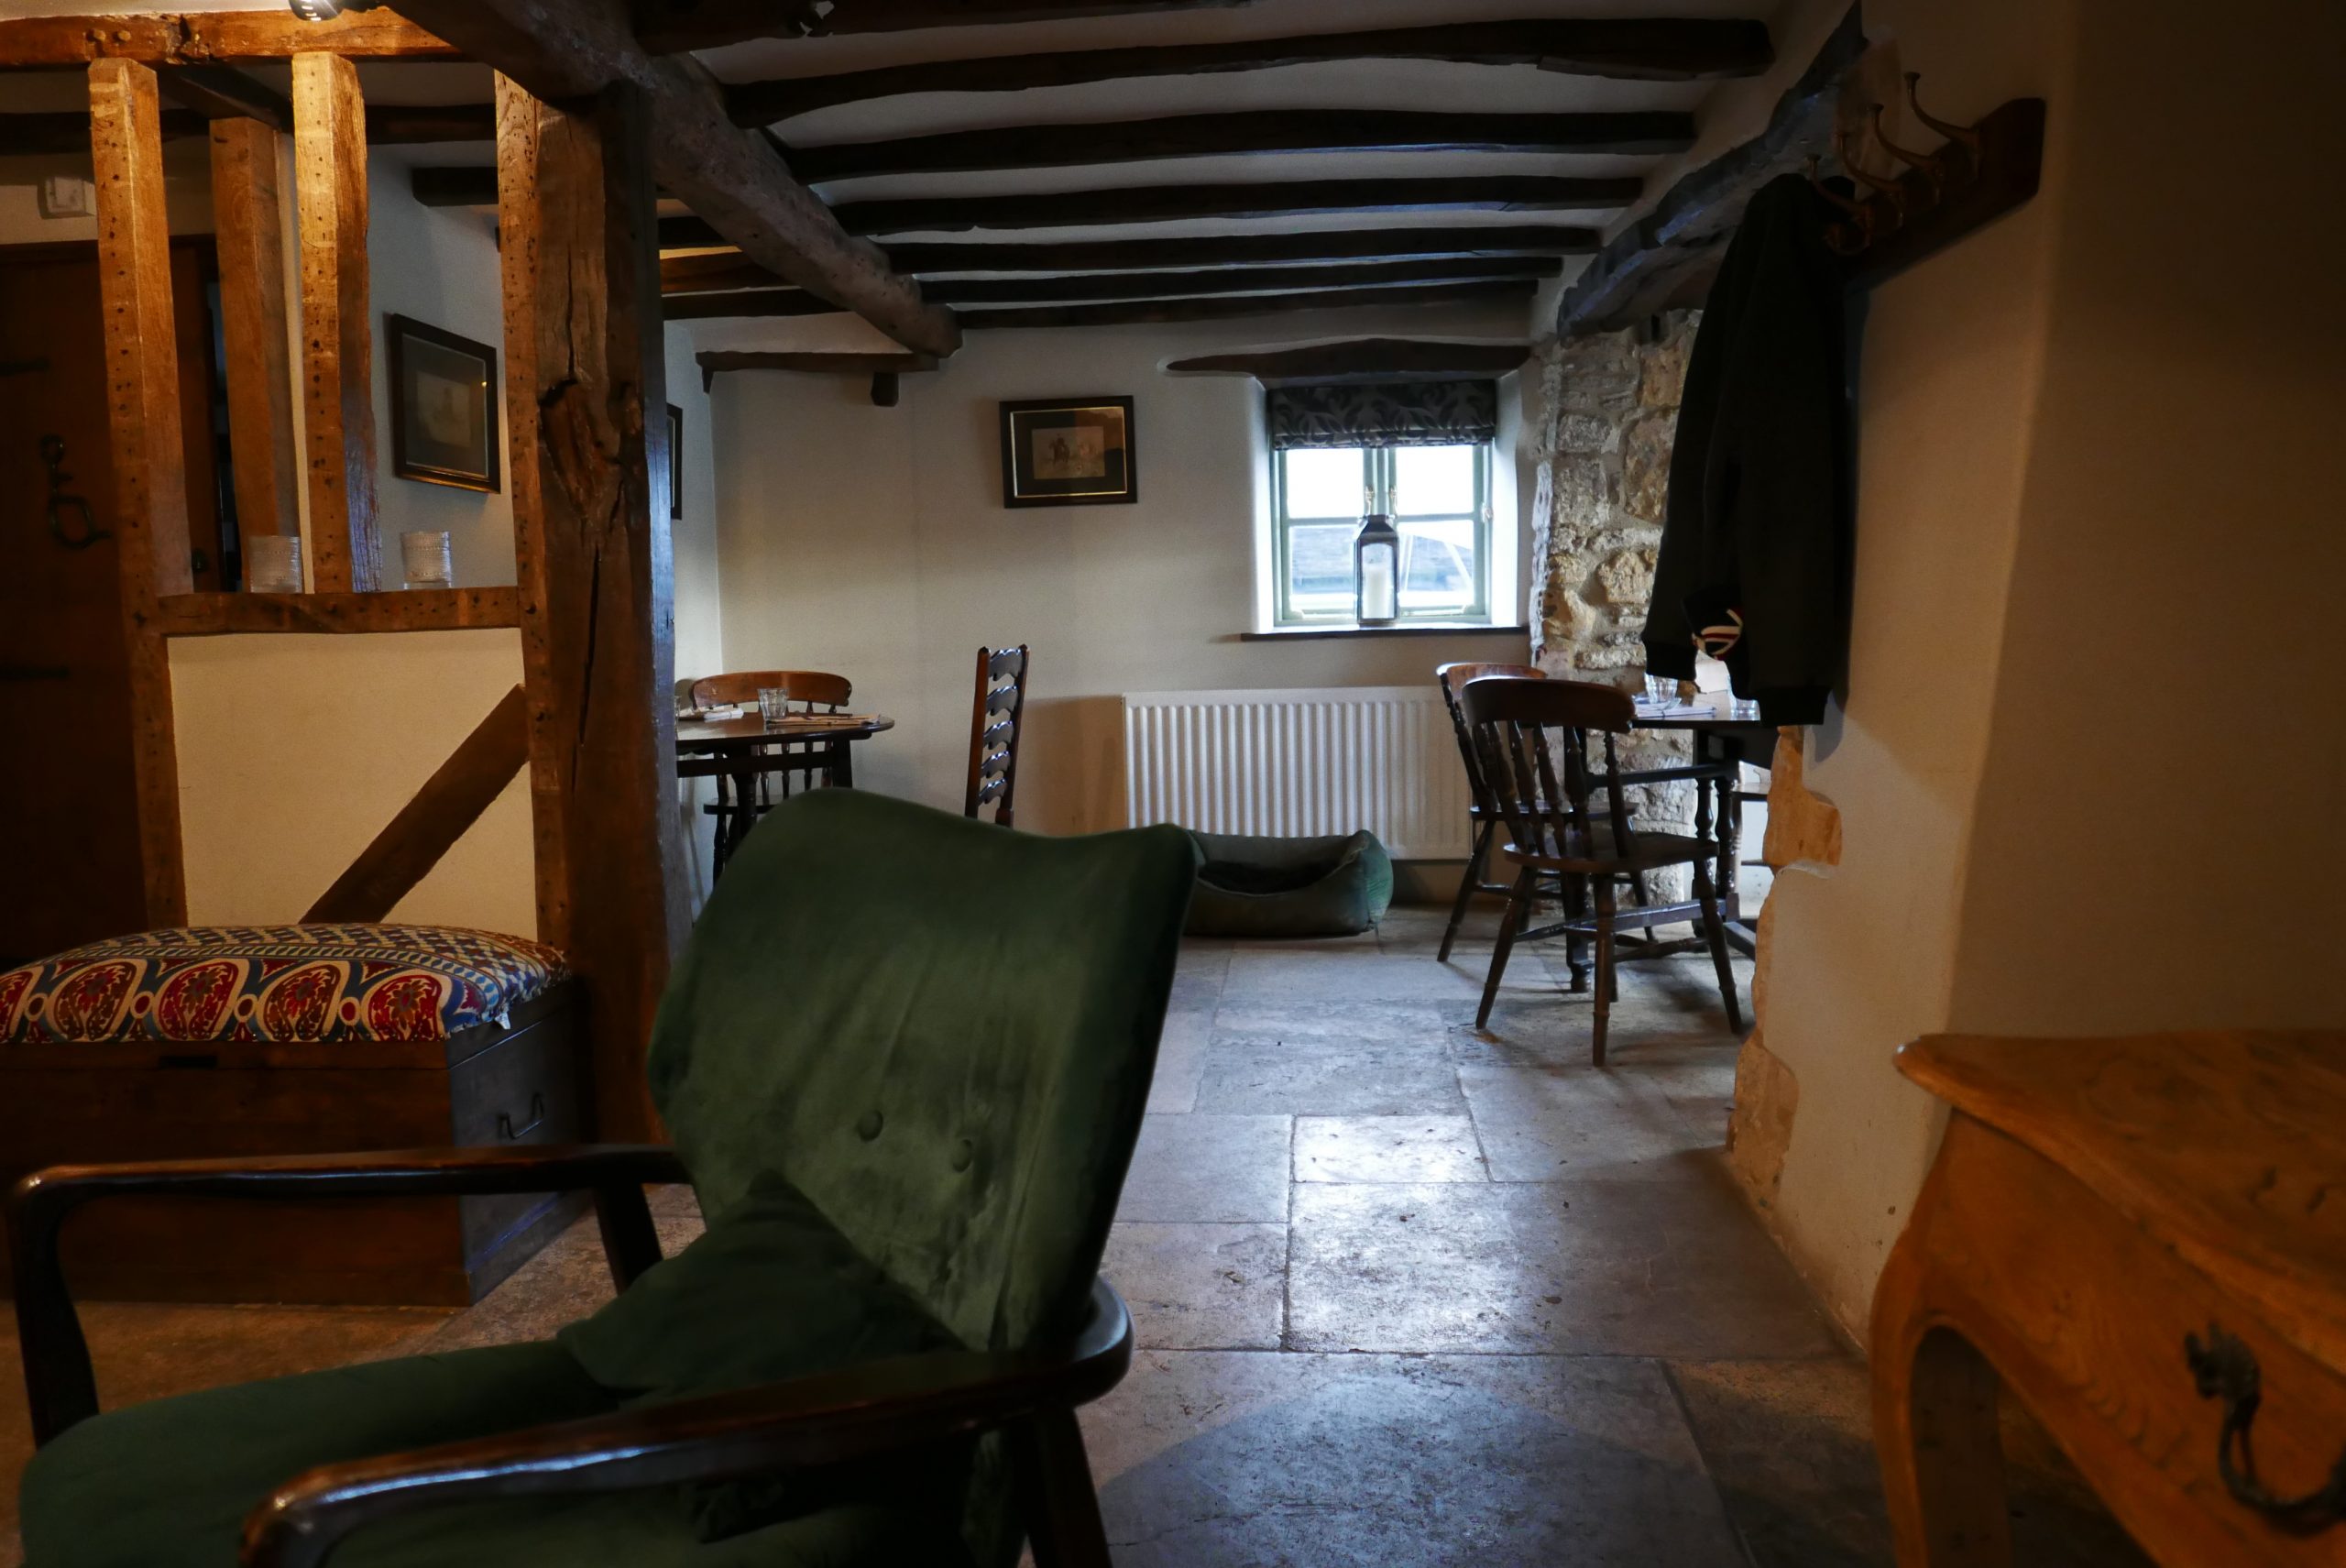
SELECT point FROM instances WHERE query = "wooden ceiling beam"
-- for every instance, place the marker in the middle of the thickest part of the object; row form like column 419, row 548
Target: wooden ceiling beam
column 1287, row 198
column 1247, row 133
column 224, row 93
column 211, row 92
column 1363, row 359
column 667, row 27
column 812, row 364
column 1125, row 312
column 1095, row 286
column 1645, row 49
column 207, row 37
column 565, row 49
column 1234, row 281
column 466, row 187
column 730, row 269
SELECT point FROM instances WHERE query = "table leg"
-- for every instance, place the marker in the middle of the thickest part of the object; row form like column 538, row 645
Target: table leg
column 1936, row 1430
column 843, row 763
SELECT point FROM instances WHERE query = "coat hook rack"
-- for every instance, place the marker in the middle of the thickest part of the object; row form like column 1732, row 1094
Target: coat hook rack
column 1978, row 174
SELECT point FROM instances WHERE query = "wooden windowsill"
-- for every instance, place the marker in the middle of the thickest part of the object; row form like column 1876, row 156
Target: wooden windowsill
column 1416, row 629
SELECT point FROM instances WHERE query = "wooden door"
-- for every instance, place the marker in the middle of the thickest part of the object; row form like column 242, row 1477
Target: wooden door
column 69, row 831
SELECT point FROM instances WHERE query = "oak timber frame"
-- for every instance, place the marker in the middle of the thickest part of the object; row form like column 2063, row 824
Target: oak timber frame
column 592, row 718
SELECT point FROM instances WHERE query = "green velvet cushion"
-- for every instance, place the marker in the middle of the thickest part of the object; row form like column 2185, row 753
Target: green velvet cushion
column 771, row 1291
column 1269, row 886
column 940, row 1031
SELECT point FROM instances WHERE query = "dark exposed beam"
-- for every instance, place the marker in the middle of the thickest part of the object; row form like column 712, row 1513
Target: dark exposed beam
column 1363, row 359
column 68, row 131
column 1150, row 204
column 1231, row 280
column 464, row 187
column 1128, row 310
column 1240, row 249
column 815, row 364
column 745, row 303
column 209, row 95
column 409, row 122
column 730, row 269
column 1668, row 256
column 224, row 93
column 1650, row 49
column 736, row 182
column 669, row 25
column 1245, row 132
column 1130, row 286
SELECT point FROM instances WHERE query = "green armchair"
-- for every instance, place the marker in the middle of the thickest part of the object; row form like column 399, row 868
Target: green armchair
column 904, row 1058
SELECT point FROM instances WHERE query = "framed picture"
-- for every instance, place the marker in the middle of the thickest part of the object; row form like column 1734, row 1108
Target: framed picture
column 675, row 463
column 444, row 406
column 1069, row 451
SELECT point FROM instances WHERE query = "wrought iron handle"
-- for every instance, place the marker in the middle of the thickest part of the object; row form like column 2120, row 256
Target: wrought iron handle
column 2226, row 1369
column 88, row 532
column 512, row 1134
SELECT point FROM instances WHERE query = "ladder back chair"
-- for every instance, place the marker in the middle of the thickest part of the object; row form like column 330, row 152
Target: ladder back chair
column 1533, row 738
column 996, row 717
column 1482, row 814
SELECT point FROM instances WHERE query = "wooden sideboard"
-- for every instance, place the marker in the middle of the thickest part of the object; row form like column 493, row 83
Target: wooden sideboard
column 2145, row 1239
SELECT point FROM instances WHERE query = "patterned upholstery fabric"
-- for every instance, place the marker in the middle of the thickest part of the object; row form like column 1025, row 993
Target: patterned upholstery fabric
column 276, row 983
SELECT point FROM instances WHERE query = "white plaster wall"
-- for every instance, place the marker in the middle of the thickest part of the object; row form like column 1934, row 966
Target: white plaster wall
column 295, row 751
column 1862, row 958
column 438, row 264
column 700, row 610
column 2097, row 527
column 873, row 542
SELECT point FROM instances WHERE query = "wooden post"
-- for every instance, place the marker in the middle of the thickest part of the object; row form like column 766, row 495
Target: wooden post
column 584, row 369
column 337, row 340
column 151, row 468
column 247, row 213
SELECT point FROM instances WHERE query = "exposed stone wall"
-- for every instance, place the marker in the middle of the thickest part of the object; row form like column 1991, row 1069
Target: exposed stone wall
column 1601, row 440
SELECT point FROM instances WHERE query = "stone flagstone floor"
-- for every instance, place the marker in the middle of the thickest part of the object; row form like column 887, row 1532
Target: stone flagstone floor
column 1406, row 1293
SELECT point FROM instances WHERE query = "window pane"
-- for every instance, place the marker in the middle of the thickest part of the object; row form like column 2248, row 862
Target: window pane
column 1437, row 565
column 1433, row 480
column 1324, row 482
column 1320, row 568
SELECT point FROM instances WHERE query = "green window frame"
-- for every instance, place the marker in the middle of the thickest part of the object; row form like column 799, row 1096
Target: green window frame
column 1420, row 531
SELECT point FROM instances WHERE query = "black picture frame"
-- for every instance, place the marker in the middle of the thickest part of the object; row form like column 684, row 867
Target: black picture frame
column 1096, row 463
column 675, row 463
column 447, row 422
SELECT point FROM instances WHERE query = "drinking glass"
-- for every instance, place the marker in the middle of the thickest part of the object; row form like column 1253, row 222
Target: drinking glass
column 773, row 705
column 273, row 563
column 427, row 560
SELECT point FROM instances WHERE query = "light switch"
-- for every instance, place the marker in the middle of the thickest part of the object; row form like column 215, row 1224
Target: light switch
column 67, row 196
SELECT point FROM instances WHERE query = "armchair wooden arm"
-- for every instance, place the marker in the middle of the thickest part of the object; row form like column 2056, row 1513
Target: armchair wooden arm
column 810, row 1421
column 59, row 1383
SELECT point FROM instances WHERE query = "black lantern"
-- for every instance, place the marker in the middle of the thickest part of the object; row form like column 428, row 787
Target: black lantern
column 1377, row 572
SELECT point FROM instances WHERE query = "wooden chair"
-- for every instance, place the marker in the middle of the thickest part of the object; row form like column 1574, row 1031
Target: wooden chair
column 996, row 717
column 810, row 691
column 1481, row 813
column 867, row 1090
column 1533, row 738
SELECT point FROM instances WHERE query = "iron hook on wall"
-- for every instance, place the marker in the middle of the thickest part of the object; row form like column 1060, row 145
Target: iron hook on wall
column 78, row 535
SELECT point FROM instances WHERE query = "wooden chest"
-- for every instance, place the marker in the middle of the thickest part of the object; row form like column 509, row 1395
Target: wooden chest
column 515, row 1081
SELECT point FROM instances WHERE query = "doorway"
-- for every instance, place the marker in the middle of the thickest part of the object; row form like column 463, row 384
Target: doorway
column 70, row 871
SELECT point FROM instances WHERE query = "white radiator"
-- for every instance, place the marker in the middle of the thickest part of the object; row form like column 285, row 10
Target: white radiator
column 1326, row 759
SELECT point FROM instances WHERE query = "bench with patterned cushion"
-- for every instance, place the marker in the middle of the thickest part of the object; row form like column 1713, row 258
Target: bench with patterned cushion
column 291, row 1039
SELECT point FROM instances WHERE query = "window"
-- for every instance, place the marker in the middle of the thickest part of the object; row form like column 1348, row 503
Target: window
column 1439, row 501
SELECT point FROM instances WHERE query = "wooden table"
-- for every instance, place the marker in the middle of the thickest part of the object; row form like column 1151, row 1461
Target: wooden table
column 1729, row 736
column 734, row 751
column 2145, row 1239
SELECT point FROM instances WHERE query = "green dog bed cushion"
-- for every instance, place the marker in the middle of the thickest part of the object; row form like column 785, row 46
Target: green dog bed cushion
column 1289, row 887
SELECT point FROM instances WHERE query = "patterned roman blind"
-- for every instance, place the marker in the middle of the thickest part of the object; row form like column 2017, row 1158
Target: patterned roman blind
column 1383, row 413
